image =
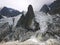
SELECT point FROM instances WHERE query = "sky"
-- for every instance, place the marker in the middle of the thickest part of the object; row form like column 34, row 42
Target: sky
column 22, row 5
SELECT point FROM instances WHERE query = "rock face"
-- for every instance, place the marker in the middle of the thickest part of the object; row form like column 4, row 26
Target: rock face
column 54, row 28
column 4, row 31
column 29, row 16
column 44, row 9
column 18, row 34
column 55, row 7
column 25, row 28
column 26, row 21
column 20, row 21
column 9, row 12
column 12, row 34
column 1, row 17
column 52, row 9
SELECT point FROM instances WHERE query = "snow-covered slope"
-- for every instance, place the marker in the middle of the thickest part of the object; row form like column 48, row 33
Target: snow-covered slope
column 10, row 20
column 43, row 20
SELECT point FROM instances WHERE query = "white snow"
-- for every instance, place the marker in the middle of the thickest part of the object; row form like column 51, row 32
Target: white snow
column 10, row 20
column 43, row 19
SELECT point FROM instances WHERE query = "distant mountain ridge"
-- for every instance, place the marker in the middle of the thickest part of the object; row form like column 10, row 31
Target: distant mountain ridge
column 9, row 12
column 44, row 8
column 53, row 8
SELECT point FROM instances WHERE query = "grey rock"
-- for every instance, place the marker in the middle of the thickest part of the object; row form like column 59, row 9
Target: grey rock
column 1, row 16
column 20, row 21
column 4, row 31
column 55, row 7
column 54, row 28
column 18, row 34
column 26, row 20
column 44, row 9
